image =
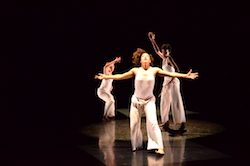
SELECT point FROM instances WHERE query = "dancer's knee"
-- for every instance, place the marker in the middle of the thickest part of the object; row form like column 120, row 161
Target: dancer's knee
column 154, row 125
column 134, row 126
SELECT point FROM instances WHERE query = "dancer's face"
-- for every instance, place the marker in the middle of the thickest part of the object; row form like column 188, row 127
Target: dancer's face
column 145, row 58
column 166, row 53
column 110, row 69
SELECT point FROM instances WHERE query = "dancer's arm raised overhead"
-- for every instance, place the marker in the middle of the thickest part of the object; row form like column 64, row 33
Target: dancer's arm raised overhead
column 151, row 37
column 163, row 52
column 110, row 65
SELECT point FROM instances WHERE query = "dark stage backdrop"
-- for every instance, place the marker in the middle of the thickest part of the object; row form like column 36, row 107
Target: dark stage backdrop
column 51, row 55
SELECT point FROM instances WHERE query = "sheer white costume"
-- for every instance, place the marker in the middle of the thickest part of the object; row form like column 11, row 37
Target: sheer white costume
column 143, row 101
column 104, row 93
column 171, row 97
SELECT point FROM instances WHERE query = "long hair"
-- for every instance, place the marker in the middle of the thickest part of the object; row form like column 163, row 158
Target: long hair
column 136, row 58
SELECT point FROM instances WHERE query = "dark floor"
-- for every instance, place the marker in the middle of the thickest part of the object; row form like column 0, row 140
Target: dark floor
column 113, row 147
column 204, row 143
column 43, row 144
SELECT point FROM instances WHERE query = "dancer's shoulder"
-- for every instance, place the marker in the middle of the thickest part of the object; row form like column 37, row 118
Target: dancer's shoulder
column 156, row 68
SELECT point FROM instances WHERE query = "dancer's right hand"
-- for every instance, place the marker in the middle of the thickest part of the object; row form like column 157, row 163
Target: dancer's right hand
column 151, row 35
column 100, row 76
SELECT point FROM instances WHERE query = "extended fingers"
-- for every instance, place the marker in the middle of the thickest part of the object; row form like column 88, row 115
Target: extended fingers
column 99, row 76
column 195, row 75
column 190, row 71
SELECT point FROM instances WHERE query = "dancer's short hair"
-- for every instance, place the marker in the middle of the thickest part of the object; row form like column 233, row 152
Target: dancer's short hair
column 167, row 47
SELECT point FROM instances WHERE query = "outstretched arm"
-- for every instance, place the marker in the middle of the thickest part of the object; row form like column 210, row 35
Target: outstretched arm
column 189, row 75
column 123, row 76
column 151, row 37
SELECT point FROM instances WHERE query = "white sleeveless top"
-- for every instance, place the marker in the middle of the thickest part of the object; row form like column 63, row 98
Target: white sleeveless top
column 106, row 84
column 168, row 68
column 144, row 85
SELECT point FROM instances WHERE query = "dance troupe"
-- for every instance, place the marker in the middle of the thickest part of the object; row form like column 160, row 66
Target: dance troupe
column 143, row 99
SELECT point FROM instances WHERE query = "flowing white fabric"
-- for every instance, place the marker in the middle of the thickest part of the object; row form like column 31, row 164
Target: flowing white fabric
column 171, row 98
column 104, row 93
column 143, row 101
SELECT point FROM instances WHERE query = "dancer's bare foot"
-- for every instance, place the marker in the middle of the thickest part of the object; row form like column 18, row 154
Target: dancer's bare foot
column 139, row 148
column 106, row 118
column 161, row 125
column 160, row 151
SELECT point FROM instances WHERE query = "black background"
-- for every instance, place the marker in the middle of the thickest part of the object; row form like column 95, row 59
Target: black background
column 50, row 54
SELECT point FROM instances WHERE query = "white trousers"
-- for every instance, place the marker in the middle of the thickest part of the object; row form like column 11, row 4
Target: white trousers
column 153, row 129
column 171, row 97
column 108, row 98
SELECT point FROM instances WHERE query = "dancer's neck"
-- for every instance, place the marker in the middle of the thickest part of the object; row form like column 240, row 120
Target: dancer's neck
column 145, row 66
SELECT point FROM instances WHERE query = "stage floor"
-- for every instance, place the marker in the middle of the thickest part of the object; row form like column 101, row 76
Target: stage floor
column 112, row 145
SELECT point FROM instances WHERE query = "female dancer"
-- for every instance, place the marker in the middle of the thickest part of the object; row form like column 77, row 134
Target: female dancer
column 104, row 91
column 170, row 94
column 143, row 99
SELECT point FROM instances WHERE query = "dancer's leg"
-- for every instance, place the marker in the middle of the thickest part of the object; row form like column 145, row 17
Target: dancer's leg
column 109, row 108
column 165, row 103
column 177, row 106
column 153, row 129
column 135, row 127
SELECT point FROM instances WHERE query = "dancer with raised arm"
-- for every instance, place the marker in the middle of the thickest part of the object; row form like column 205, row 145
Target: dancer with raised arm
column 143, row 99
column 170, row 95
column 104, row 91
